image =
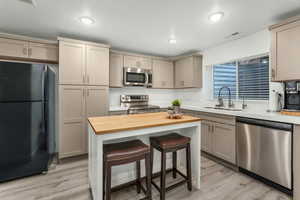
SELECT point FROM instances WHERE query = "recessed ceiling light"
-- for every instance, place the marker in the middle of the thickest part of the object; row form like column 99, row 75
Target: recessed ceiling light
column 215, row 17
column 172, row 41
column 87, row 20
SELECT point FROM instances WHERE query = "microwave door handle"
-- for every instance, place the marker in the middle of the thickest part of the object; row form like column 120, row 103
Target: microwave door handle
column 147, row 78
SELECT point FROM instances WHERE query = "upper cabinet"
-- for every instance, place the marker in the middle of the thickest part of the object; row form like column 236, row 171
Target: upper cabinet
column 71, row 63
column 97, row 65
column 43, row 51
column 26, row 50
column 116, row 70
column 188, row 72
column 83, row 63
column 163, row 74
column 13, row 48
column 285, row 48
column 137, row 62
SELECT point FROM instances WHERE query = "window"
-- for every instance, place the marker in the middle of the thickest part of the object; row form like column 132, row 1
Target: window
column 247, row 79
column 225, row 75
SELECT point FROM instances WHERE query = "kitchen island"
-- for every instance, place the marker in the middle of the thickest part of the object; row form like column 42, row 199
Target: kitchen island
column 111, row 129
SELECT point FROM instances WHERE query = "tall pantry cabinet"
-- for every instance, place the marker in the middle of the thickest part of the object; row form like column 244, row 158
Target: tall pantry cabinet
column 83, row 92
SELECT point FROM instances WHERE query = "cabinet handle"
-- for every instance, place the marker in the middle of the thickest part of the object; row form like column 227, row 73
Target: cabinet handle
column 25, row 51
column 273, row 73
column 29, row 52
column 87, row 92
column 212, row 128
column 209, row 128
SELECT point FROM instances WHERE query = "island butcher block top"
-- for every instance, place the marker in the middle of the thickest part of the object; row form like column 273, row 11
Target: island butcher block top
column 110, row 124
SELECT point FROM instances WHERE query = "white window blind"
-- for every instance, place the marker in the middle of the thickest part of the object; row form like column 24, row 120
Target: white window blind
column 247, row 79
column 225, row 75
column 253, row 79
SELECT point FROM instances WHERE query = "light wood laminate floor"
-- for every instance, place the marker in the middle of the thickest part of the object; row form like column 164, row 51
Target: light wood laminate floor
column 69, row 181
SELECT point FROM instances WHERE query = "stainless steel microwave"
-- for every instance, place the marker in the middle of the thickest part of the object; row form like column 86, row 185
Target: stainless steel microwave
column 137, row 77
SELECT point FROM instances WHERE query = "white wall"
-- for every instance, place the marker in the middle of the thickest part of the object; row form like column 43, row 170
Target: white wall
column 252, row 45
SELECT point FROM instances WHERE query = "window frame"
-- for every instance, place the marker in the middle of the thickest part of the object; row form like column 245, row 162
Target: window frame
column 236, row 97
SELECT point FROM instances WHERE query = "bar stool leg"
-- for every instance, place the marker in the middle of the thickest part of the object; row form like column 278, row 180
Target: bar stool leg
column 163, row 176
column 151, row 160
column 108, row 181
column 174, row 164
column 138, row 176
column 148, row 176
column 188, row 167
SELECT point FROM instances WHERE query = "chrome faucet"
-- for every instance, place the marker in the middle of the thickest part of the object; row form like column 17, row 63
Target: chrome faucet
column 220, row 99
column 244, row 105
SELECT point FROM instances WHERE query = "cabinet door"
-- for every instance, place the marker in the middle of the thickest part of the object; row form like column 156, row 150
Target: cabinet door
column 206, row 131
column 96, row 105
column 96, row 101
column 116, row 70
column 97, row 66
column 71, row 63
column 137, row 62
column 188, row 72
column 13, row 48
column 145, row 63
column 131, row 61
column 285, row 52
column 45, row 52
column 163, row 74
column 72, row 121
column 179, row 74
column 224, row 142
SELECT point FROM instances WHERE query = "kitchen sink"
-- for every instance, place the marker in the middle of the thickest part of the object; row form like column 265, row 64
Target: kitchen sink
column 222, row 108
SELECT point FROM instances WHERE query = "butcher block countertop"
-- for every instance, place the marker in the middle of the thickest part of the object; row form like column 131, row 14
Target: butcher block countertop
column 110, row 124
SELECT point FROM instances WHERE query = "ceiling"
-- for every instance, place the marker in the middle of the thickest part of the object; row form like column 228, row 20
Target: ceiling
column 144, row 26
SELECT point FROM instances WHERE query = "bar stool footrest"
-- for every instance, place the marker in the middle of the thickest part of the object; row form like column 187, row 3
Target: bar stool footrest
column 171, row 187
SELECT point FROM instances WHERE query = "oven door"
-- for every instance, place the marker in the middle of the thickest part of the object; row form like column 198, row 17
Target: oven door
column 135, row 77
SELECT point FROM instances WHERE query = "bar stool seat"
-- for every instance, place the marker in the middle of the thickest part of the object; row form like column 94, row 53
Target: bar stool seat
column 124, row 153
column 171, row 143
column 124, row 150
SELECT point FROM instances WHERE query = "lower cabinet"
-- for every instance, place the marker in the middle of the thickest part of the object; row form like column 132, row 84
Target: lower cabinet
column 76, row 104
column 224, row 142
column 206, row 136
column 219, row 140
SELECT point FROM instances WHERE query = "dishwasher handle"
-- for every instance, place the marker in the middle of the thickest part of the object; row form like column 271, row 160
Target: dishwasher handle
column 266, row 123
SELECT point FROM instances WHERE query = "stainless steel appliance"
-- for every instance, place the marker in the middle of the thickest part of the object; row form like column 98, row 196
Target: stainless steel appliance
column 292, row 95
column 265, row 149
column 137, row 104
column 27, row 120
column 137, row 77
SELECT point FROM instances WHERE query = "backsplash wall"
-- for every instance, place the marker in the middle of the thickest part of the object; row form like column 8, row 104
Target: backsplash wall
column 160, row 97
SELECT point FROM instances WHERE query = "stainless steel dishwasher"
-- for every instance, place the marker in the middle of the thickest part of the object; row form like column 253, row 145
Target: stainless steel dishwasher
column 265, row 149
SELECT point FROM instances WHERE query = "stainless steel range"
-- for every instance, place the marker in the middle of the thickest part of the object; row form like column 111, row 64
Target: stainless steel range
column 137, row 104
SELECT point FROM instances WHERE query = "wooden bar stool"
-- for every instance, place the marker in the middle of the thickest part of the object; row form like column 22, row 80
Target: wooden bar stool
column 124, row 153
column 171, row 143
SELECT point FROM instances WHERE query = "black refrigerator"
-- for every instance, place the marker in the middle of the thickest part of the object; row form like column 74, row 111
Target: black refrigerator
column 27, row 119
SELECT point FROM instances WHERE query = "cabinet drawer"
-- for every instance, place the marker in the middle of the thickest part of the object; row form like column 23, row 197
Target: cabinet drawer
column 223, row 119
